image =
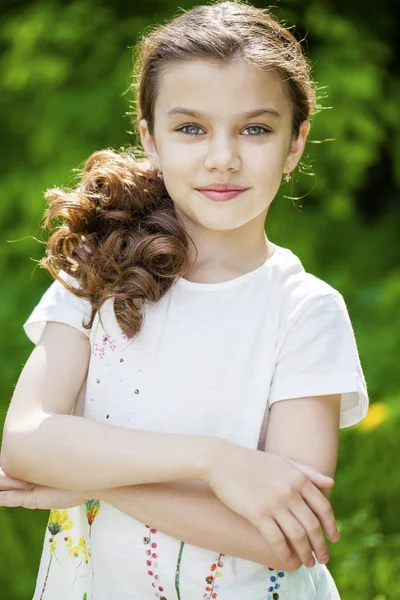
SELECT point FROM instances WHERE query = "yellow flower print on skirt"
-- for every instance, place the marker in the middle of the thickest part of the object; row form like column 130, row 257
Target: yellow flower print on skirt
column 58, row 521
column 80, row 552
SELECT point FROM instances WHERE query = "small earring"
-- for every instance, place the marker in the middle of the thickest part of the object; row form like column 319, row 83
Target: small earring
column 287, row 176
column 160, row 175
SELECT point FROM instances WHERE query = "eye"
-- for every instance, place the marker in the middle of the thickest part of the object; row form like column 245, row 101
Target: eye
column 265, row 131
column 192, row 125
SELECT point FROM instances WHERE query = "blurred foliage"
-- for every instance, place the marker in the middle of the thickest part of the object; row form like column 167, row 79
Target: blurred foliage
column 64, row 68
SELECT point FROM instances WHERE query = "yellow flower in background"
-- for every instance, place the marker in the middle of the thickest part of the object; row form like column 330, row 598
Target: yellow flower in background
column 377, row 414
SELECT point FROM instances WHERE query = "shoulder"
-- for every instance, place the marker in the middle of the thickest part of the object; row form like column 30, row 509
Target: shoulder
column 59, row 304
column 300, row 290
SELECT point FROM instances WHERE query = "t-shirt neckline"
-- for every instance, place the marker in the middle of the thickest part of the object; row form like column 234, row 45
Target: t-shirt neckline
column 220, row 285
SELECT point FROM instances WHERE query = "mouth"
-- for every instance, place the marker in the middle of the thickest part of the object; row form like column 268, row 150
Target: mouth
column 223, row 196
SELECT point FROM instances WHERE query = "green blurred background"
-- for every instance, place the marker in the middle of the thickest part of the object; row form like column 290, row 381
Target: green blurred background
column 64, row 68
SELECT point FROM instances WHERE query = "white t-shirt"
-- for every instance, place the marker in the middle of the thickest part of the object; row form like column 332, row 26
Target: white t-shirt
column 211, row 359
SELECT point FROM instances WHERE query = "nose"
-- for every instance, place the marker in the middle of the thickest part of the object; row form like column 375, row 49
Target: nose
column 222, row 154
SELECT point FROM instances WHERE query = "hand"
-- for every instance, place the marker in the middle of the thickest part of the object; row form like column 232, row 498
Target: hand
column 14, row 492
column 278, row 496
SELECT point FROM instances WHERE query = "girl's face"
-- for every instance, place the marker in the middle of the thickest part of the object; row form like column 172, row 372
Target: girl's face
column 222, row 144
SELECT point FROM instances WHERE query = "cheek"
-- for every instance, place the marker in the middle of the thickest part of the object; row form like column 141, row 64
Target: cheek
column 180, row 163
column 267, row 157
column 268, row 168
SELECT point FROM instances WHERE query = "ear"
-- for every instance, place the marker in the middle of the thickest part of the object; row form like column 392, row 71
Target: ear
column 148, row 143
column 297, row 147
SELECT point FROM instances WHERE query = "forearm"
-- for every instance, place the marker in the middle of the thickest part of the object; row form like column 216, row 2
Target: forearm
column 70, row 452
column 191, row 512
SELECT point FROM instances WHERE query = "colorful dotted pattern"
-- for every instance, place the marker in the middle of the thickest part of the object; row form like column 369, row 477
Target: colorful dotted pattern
column 100, row 349
column 275, row 585
column 211, row 585
column 152, row 563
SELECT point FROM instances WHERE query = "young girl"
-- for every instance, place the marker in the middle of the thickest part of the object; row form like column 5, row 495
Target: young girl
column 180, row 412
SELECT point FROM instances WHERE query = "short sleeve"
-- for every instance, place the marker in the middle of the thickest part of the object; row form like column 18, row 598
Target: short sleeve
column 58, row 304
column 319, row 356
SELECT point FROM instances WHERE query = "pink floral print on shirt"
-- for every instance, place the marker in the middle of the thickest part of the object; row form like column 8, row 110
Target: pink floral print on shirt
column 99, row 349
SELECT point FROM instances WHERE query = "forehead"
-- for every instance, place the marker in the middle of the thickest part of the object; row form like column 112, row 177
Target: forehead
column 220, row 91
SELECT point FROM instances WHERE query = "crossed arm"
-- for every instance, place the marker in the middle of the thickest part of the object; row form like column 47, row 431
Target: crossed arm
column 189, row 510
column 180, row 503
column 302, row 429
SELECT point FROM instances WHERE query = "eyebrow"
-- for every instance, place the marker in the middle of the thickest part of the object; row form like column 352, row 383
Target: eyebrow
column 198, row 114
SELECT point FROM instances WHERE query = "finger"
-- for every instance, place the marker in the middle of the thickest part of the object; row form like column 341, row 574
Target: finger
column 297, row 535
column 12, row 498
column 305, row 516
column 9, row 483
column 322, row 509
column 315, row 476
column 272, row 533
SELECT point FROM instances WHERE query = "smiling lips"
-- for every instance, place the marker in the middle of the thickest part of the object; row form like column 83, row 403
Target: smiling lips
column 221, row 196
column 221, row 191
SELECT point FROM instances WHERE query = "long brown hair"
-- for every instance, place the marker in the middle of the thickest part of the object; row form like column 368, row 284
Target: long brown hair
column 120, row 235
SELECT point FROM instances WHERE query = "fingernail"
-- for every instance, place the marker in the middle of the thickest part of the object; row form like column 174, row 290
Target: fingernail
column 311, row 564
column 325, row 559
column 336, row 537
